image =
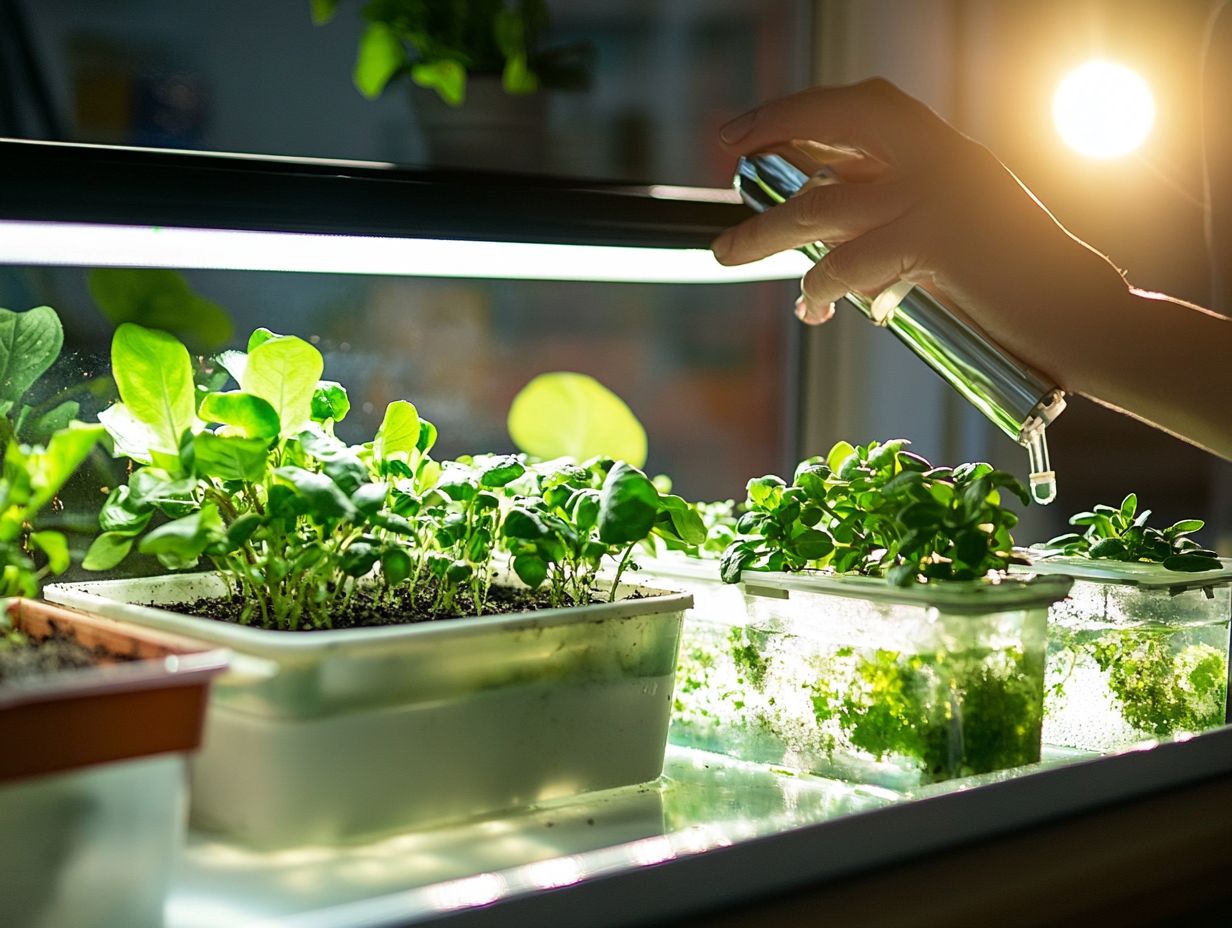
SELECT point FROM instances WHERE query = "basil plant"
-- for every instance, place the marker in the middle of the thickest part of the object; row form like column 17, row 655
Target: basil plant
column 1122, row 533
column 878, row 510
column 573, row 516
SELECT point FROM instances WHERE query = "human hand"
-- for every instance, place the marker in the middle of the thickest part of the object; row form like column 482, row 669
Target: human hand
column 916, row 200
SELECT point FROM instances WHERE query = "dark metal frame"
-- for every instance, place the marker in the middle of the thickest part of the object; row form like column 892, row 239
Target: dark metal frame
column 67, row 182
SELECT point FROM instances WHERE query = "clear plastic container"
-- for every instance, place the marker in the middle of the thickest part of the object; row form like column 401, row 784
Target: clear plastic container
column 336, row 736
column 854, row 678
column 1137, row 652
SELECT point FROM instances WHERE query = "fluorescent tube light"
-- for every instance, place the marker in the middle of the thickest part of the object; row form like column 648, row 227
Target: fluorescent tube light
column 97, row 245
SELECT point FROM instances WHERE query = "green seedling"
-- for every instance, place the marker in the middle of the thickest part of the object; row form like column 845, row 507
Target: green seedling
column 253, row 480
column 579, row 515
column 1121, row 533
column 878, row 510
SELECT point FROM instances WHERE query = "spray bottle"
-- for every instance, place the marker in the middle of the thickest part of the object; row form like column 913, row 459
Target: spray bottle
column 1013, row 397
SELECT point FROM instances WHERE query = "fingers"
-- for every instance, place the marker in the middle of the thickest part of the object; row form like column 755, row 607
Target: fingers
column 813, row 315
column 828, row 213
column 873, row 116
column 866, row 265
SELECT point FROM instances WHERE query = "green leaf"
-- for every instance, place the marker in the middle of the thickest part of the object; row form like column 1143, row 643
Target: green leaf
column 1129, row 506
column 518, row 78
column 971, row 547
column 1184, row 527
column 531, row 569
column 1192, row 562
column 122, row 514
column 107, row 550
column 1112, row 548
column 427, row 436
column 524, row 525
column 48, row 469
column 242, row 529
column 323, row 497
column 838, row 454
column 369, row 497
column 628, row 504
column 160, row 299
column 338, row 461
column 182, row 541
column 380, row 58
column 230, row 457
column 29, row 343
column 447, row 77
column 737, row 556
column 260, row 335
column 765, row 492
column 399, row 434
column 395, row 566
column 502, row 471
column 248, row 414
column 359, row 558
column 572, row 415
column 886, row 453
column 922, row 515
column 686, row 521
column 330, row 401
column 284, row 371
column 811, row 544
column 56, row 418
column 55, row 546
column 154, row 375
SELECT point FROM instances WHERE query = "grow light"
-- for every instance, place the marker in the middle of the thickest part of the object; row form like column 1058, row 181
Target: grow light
column 98, row 205
column 105, row 245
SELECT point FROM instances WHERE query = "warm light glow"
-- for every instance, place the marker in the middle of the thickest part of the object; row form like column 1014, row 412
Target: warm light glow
column 1103, row 110
column 91, row 245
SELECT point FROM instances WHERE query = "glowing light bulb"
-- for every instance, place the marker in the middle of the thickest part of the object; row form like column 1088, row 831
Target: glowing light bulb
column 1103, row 110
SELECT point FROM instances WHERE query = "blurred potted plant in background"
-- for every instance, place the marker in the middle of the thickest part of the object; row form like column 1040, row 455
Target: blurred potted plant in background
column 486, row 54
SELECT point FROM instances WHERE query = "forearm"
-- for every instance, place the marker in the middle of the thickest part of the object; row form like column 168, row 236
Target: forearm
column 1163, row 361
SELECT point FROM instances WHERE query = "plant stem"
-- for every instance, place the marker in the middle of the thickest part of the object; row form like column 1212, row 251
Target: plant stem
column 620, row 569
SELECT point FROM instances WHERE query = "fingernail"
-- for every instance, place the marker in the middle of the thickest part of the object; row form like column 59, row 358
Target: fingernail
column 738, row 128
column 801, row 309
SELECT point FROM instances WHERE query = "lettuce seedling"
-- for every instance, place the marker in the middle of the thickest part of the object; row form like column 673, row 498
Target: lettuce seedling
column 1121, row 533
column 879, row 510
column 253, row 479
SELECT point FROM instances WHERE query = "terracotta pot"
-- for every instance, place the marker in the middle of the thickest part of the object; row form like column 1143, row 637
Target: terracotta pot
column 146, row 696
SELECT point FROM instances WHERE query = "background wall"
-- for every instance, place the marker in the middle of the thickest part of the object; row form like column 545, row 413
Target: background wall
column 710, row 370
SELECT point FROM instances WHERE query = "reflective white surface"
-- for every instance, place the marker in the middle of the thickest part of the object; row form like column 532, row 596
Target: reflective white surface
column 73, row 244
column 703, row 801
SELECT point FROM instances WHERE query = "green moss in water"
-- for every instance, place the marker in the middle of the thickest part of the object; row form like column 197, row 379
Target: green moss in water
column 1162, row 691
column 748, row 649
column 957, row 714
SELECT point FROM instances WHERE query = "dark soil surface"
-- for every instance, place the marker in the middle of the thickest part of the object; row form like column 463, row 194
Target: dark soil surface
column 33, row 657
column 404, row 607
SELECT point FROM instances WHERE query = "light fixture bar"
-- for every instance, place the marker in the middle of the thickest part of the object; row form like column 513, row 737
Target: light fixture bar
column 105, row 245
